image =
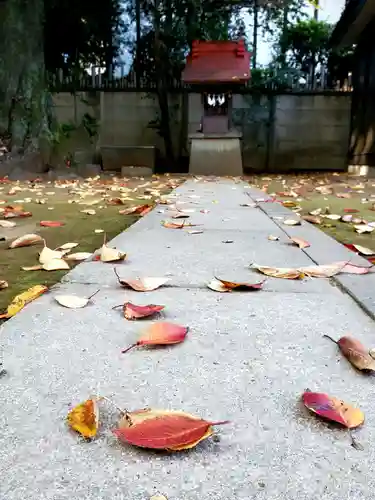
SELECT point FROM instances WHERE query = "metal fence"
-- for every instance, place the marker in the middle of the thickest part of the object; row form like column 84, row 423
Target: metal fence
column 120, row 79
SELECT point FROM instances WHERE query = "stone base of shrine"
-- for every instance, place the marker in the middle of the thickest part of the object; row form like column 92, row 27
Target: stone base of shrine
column 214, row 154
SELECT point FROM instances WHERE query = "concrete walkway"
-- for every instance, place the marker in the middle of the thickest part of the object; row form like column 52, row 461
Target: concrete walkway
column 248, row 357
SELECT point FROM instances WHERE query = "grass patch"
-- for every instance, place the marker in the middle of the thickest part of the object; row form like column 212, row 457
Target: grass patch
column 78, row 227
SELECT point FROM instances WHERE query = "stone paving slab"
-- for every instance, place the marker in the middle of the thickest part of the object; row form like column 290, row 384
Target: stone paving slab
column 245, row 360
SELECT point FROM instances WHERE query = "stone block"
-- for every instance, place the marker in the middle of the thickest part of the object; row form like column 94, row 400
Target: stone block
column 116, row 157
column 136, row 172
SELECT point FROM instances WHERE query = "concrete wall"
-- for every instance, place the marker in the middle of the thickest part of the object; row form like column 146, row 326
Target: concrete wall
column 282, row 132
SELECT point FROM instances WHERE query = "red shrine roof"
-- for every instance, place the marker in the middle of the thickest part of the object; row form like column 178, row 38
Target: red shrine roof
column 217, row 62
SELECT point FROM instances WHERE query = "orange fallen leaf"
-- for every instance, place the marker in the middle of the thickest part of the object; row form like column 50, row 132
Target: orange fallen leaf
column 51, row 223
column 355, row 352
column 173, row 225
column 300, row 242
column 26, row 240
column 289, row 204
column 161, row 334
column 280, row 272
column 84, row 418
column 147, row 284
column 163, row 429
column 21, row 300
column 219, row 285
column 133, row 311
column 333, row 409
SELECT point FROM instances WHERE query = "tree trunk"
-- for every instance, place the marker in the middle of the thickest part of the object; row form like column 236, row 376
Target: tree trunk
column 23, row 95
column 162, row 89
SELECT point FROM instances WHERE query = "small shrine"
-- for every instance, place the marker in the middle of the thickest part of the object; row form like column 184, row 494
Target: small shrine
column 214, row 70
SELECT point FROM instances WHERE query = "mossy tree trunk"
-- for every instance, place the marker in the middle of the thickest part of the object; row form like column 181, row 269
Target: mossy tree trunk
column 24, row 99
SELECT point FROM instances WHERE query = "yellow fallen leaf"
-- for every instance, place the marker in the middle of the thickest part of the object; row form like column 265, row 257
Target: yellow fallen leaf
column 84, row 418
column 20, row 301
column 108, row 254
column 55, row 265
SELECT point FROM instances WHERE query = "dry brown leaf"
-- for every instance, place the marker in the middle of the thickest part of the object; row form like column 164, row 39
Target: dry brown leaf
column 313, row 219
column 26, row 240
column 279, row 272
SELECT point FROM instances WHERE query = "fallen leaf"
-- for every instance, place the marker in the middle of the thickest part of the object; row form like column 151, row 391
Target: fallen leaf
column 10, row 214
column 219, row 285
column 250, row 205
column 347, row 218
column 72, row 301
column 98, row 231
column 84, row 418
column 161, row 334
column 343, row 195
column 55, row 265
column 26, row 240
column 133, row 311
column 289, row 204
column 67, row 246
column 351, row 210
column 288, row 273
column 78, row 256
column 116, row 201
column 300, row 242
column 173, row 225
column 355, row 352
column 332, row 216
column 142, row 284
column 37, row 267
column 324, row 271
column 292, row 222
column 354, row 269
column 108, row 254
column 51, row 223
column 163, row 429
column 138, row 210
column 333, row 409
column 21, row 300
column 158, row 497
column 7, row 223
column 88, row 211
column 317, row 211
column 273, row 238
column 363, row 250
column 3, row 284
column 48, row 254
column 180, row 216
column 195, row 231
column 313, row 219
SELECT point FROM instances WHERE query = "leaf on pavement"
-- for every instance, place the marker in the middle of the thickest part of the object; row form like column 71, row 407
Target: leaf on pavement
column 72, row 301
column 324, row 271
column 161, row 334
column 84, row 418
column 292, row 222
column 180, row 216
column 26, row 240
column 147, row 284
column 219, row 285
column 51, row 223
column 333, row 409
column 163, row 429
column 21, row 300
column 173, row 225
column 288, row 273
column 133, row 311
column 355, row 352
column 273, row 238
column 300, row 243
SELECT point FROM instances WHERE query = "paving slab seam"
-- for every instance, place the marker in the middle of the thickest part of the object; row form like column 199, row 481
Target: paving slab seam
column 335, row 280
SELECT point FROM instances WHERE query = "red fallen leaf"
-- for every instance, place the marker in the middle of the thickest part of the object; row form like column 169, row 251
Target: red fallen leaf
column 138, row 210
column 161, row 334
column 133, row 311
column 300, row 243
column 10, row 214
column 333, row 409
column 51, row 223
column 355, row 352
column 173, row 431
column 351, row 210
column 353, row 269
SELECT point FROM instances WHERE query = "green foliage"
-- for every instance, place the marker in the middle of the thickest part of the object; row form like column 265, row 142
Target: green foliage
column 305, row 43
